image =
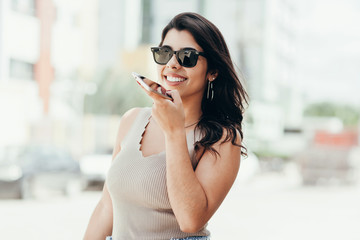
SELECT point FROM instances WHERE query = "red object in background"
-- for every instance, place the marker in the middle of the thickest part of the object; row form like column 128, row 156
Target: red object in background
column 342, row 139
column 43, row 69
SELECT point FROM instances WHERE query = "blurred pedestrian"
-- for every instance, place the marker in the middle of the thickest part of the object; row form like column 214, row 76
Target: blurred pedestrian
column 174, row 163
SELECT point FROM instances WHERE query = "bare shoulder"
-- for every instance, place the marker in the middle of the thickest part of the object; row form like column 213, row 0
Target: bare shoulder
column 125, row 124
column 127, row 120
column 129, row 116
column 224, row 145
column 229, row 154
column 226, row 161
column 227, row 138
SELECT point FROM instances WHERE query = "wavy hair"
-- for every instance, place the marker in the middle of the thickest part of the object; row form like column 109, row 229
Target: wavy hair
column 225, row 111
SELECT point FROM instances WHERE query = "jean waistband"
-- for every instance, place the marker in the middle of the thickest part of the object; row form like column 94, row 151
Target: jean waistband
column 187, row 238
column 193, row 238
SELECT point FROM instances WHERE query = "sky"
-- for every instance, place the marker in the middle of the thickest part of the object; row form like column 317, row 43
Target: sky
column 329, row 50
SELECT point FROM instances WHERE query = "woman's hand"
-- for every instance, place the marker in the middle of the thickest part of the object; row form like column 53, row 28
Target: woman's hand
column 168, row 114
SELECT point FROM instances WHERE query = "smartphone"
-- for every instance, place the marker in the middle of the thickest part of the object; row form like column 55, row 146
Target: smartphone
column 151, row 86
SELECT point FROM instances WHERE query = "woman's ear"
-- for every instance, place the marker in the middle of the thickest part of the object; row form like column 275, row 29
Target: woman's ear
column 212, row 75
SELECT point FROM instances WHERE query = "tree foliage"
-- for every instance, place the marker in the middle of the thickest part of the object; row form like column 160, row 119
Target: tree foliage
column 116, row 93
column 348, row 114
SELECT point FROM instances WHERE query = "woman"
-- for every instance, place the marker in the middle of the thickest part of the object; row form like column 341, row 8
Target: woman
column 178, row 159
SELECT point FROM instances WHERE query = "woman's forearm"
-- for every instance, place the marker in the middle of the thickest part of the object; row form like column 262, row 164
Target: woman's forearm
column 187, row 197
column 101, row 221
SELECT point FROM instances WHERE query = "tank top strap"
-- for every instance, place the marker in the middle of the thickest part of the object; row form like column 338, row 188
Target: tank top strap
column 134, row 135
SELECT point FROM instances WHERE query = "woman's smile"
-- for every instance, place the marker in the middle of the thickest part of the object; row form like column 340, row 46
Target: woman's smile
column 172, row 79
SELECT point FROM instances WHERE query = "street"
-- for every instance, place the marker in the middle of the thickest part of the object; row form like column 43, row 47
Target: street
column 271, row 206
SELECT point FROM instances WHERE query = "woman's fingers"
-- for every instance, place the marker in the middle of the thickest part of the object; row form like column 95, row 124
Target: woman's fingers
column 175, row 96
column 156, row 96
column 168, row 114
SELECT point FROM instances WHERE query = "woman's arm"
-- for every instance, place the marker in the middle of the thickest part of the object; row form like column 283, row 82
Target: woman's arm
column 194, row 196
column 100, row 224
column 101, row 221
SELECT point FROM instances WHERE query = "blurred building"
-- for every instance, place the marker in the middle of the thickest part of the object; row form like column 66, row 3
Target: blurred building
column 267, row 47
column 19, row 54
column 44, row 43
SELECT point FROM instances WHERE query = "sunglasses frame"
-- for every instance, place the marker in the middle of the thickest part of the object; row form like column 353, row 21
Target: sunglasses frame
column 196, row 52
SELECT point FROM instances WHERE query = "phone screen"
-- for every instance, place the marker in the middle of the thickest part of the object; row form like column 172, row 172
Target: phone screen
column 151, row 86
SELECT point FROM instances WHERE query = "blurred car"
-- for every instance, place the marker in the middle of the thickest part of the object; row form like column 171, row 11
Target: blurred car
column 330, row 158
column 323, row 164
column 95, row 166
column 32, row 170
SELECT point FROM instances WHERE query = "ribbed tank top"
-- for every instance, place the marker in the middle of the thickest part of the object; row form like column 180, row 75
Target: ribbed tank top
column 137, row 186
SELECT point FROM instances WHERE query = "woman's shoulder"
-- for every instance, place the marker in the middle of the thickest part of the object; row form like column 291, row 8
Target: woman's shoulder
column 130, row 116
column 222, row 134
column 131, row 113
column 128, row 119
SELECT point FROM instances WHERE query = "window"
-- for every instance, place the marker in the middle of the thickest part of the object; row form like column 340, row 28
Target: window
column 21, row 70
column 23, row 6
column 146, row 21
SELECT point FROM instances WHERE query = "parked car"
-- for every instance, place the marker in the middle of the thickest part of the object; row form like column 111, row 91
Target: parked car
column 94, row 167
column 32, row 170
column 330, row 158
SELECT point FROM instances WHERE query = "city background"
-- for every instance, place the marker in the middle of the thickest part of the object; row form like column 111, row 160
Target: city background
column 65, row 81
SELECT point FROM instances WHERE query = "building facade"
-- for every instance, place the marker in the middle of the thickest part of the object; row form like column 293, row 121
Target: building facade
column 42, row 45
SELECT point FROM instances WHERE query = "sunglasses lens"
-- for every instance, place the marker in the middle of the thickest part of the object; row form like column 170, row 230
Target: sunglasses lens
column 187, row 58
column 162, row 55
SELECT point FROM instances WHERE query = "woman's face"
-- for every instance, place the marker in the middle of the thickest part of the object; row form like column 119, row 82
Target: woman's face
column 190, row 82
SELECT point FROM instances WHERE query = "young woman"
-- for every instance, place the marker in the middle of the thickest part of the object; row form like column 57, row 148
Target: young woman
column 174, row 163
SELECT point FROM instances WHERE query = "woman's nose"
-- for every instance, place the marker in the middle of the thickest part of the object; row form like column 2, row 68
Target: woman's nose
column 173, row 63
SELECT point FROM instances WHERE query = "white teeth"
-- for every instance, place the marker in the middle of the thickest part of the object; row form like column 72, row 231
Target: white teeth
column 175, row 79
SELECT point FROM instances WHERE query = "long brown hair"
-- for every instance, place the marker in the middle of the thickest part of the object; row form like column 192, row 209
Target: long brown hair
column 226, row 109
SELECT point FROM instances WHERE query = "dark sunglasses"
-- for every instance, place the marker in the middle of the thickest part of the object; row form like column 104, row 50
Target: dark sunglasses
column 186, row 57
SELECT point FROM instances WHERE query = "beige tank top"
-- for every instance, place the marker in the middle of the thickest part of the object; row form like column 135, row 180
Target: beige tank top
column 137, row 186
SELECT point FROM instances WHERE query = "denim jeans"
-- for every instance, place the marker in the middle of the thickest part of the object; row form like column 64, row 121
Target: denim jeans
column 193, row 238
column 187, row 238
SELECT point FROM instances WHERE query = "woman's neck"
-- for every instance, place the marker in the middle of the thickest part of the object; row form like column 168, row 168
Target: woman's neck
column 192, row 111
